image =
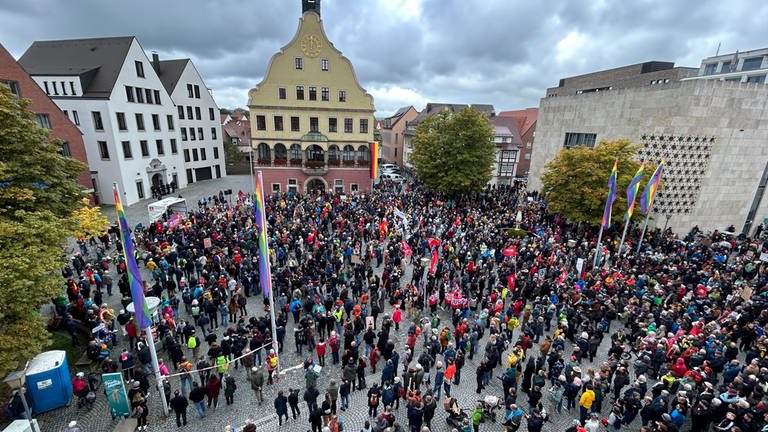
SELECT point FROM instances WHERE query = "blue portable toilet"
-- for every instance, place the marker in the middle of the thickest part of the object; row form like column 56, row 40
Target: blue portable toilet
column 48, row 381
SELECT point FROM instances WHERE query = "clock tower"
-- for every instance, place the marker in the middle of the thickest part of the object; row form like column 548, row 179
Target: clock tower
column 310, row 5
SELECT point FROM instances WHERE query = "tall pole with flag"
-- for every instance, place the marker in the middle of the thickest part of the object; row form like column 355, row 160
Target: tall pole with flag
column 265, row 272
column 142, row 314
column 607, row 211
column 632, row 189
column 374, row 161
column 646, row 200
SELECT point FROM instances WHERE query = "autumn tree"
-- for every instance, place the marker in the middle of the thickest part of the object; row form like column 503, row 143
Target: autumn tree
column 38, row 196
column 575, row 183
column 454, row 154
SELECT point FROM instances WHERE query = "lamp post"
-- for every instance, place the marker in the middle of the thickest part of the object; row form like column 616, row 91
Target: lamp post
column 424, row 264
column 16, row 381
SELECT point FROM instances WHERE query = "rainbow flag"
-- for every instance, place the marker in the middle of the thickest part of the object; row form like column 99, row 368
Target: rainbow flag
column 611, row 194
column 259, row 207
column 134, row 275
column 374, row 159
column 646, row 200
column 634, row 185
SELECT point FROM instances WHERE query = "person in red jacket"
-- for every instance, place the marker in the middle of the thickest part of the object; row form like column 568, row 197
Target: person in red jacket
column 320, row 348
column 679, row 369
column 212, row 389
column 397, row 316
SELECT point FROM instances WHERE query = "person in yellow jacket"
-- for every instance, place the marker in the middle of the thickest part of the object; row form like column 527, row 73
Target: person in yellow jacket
column 585, row 403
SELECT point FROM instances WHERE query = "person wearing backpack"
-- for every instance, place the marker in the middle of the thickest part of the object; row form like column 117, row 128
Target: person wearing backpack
column 229, row 389
column 193, row 344
column 373, row 400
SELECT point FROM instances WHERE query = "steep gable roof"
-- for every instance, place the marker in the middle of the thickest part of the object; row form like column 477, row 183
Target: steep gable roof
column 525, row 118
column 170, row 72
column 97, row 61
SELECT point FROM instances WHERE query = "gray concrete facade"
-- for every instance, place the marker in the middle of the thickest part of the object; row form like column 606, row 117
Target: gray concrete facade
column 713, row 134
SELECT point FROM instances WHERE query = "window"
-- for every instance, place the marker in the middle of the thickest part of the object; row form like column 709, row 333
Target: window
column 97, row 123
column 45, row 83
column 127, row 150
column 527, row 156
column 758, row 79
column 144, row 148
column 14, row 86
column 197, row 92
column 261, row 122
column 300, row 92
column 174, row 147
column 139, row 69
column 148, row 92
column 72, row 87
column 325, row 94
column 198, row 116
column 299, row 63
column 295, row 124
column 726, row 68
column 293, row 185
column 129, row 93
column 213, row 133
column 64, row 88
column 324, row 64
column 190, row 91
column 200, row 135
column 121, row 123
column 169, row 120
column 192, row 135
column 753, row 63
column 140, row 188
column 189, row 175
column 66, row 113
column 157, row 96
column 202, row 154
column 573, row 139
column 281, row 93
column 189, row 113
column 353, row 187
column 347, row 125
column 55, row 88
column 160, row 147
column 332, row 127
column 507, row 159
column 103, row 149
column 338, row 186
column 195, row 157
column 313, row 124
column 183, row 134
column 211, row 115
column 276, row 188
column 139, row 95
column 156, row 122
column 65, row 150
column 278, row 123
column 363, row 125
column 76, row 117
column 342, row 96
column 181, row 112
column 186, row 155
column 215, row 152
column 140, row 121
column 312, row 93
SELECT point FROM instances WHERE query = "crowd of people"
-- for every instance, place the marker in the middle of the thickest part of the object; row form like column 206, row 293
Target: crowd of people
column 432, row 290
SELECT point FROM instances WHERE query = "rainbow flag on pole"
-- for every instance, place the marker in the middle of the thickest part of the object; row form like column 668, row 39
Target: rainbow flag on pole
column 611, row 194
column 646, row 200
column 259, row 207
column 374, row 159
column 134, row 275
column 634, row 185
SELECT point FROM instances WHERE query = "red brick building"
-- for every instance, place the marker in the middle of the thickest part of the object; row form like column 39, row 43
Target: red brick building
column 526, row 126
column 47, row 114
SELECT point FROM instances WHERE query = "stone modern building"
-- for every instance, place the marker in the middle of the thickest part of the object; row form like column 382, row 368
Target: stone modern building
column 747, row 67
column 47, row 113
column 393, row 134
column 311, row 121
column 712, row 133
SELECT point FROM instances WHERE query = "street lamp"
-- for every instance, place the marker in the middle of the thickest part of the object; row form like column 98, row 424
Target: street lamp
column 16, row 381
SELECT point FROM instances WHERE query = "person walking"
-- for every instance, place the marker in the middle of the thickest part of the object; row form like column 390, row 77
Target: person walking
column 256, row 377
column 197, row 397
column 585, row 403
column 281, row 407
column 293, row 401
column 212, row 389
column 229, row 389
column 179, row 406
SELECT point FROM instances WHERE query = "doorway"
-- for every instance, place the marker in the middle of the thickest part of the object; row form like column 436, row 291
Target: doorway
column 315, row 184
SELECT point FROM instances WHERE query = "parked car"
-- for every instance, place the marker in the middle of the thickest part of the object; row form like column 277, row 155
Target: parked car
column 389, row 166
column 397, row 178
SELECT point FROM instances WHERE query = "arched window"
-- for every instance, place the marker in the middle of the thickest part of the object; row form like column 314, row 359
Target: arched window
column 264, row 152
column 315, row 153
column 363, row 153
column 280, row 151
column 295, row 151
column 333, row 155
column 349, row 154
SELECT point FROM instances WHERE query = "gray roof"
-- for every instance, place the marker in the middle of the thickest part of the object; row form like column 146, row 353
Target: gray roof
column 170, row 72
column 97, row 61
column 434, row 108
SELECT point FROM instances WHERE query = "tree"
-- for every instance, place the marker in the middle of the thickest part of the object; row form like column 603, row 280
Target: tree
column 454, row 153
column 575, row 183
column 90, row 221
column 232, row 153
column 38, row 195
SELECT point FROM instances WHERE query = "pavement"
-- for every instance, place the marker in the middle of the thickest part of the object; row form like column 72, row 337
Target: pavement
column 246, row 407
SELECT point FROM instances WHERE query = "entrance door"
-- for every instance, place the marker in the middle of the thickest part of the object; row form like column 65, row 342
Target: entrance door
column 157, row 180
column 315, row 185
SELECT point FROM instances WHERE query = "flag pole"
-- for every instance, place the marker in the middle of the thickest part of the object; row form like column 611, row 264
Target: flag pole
column 147, row 334
column 623, row 235
column 597, row 250
column 268, row 269
column 645, row 227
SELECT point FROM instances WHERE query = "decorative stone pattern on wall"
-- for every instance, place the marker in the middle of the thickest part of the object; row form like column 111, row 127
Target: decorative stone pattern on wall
column 688, row 159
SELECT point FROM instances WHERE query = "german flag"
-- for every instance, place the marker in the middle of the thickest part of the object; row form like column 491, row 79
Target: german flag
column 374, row 159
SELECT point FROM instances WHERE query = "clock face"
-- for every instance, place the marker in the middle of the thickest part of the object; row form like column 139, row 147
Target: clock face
column 311, row 45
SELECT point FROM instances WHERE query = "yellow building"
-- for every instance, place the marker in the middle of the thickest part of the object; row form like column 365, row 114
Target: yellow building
column 311, row 121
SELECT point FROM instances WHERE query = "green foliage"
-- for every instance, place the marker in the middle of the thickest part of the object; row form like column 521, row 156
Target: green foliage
column 225, row 111
column 454, row 154
column 575, row 183
column 38, row 196
column 232, row 153
column 516, row 233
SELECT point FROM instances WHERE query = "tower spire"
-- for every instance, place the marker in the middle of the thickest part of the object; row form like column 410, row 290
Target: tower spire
column 310, row 5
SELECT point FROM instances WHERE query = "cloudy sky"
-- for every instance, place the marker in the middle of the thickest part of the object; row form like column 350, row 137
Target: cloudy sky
column 409, row 52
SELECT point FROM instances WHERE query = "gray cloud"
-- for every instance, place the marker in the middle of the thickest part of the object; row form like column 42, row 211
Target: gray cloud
column 503, row 52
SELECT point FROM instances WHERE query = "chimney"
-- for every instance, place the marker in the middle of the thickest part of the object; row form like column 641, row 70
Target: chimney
column 156, row 62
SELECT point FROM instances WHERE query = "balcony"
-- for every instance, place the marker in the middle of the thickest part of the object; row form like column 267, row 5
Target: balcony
column 314, row 168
